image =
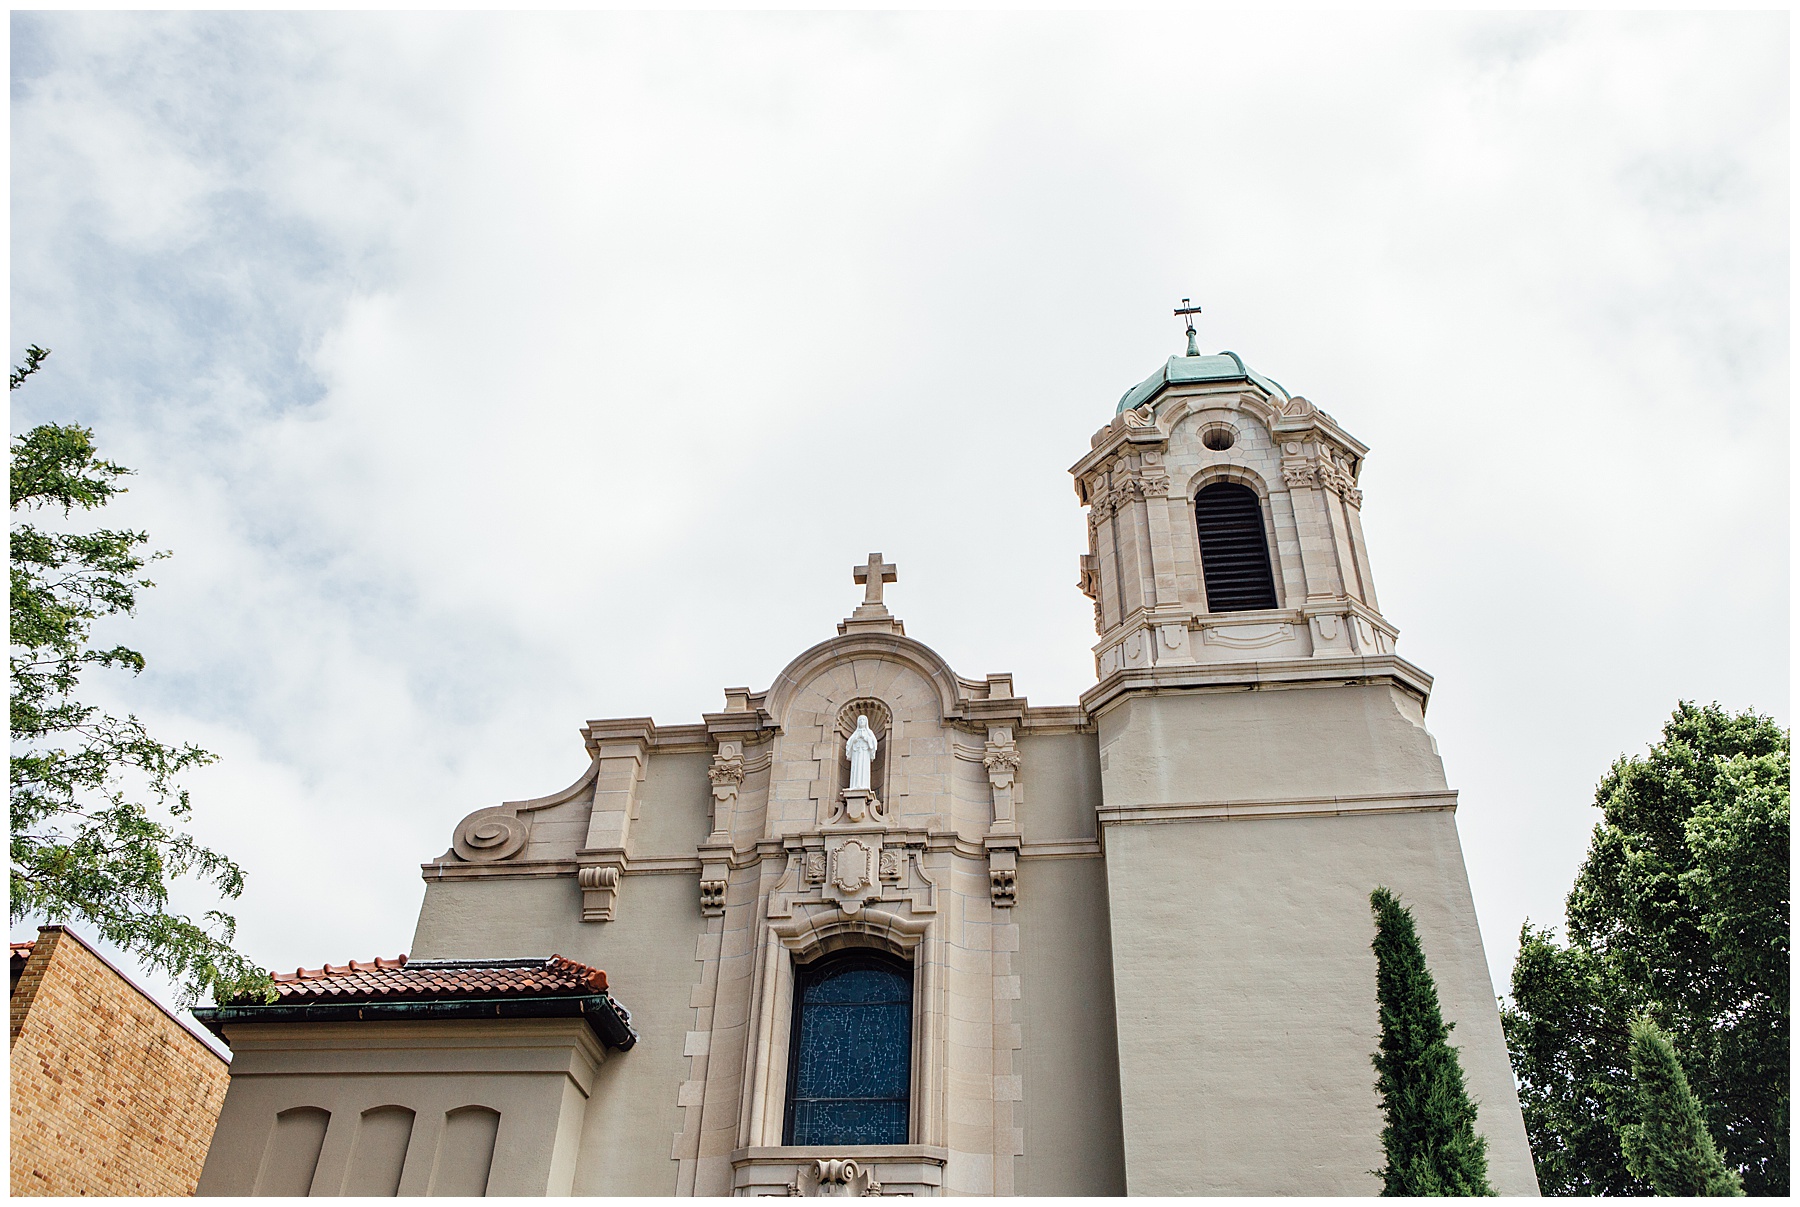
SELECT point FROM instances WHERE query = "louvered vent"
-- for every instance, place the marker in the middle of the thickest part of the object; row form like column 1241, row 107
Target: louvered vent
column 1234, row 553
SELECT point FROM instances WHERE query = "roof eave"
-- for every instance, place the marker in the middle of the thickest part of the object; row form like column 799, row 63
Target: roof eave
column 610, row 1022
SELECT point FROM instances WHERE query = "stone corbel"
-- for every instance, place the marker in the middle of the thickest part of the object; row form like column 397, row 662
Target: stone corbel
column 1003, row 870
column 599, row 890
column 832, row 1179
column 715, row 875
column 712, row 896
column 857, row 807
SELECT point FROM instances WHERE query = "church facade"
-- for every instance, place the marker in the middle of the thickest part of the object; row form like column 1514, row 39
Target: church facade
column 879, row 928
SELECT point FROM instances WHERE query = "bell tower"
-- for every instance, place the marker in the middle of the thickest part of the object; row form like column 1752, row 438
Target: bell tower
column 1264, row 765
column 1224, row 525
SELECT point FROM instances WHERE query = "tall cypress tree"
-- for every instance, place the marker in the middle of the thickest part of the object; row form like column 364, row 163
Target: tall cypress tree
column 1669, row 1146
column 1430, row 1139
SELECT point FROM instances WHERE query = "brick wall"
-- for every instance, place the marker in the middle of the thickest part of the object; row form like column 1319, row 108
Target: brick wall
column 110, row 1095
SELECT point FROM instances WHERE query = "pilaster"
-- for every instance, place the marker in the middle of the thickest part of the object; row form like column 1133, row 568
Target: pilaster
column 620, row 749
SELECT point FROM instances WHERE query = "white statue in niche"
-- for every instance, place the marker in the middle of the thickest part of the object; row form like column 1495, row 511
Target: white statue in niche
column 860, row 748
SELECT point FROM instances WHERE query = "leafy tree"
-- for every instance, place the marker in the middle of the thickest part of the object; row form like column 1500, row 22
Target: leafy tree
column 1430, row 1139
column 94, row 797
column 1669, row 1146
column 1680, row 912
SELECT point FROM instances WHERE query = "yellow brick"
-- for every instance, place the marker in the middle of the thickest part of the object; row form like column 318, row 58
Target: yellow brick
column 110, row 1095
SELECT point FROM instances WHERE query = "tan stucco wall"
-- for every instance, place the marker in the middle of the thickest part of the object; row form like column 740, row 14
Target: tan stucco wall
column 1243, row 744
column 672, row 806
column 110, row 1096
column 1059, row 786
column 1244, row 980
column 649, row 954
column 1069, row 1055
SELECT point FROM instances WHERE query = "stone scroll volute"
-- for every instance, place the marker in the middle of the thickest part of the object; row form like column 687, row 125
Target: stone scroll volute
column 501, row 832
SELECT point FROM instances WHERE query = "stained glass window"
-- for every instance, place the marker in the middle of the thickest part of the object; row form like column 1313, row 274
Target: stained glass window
column 850, row 1071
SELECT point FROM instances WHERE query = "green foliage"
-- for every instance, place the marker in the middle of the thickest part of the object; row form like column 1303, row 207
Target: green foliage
column 1430, row 1139
column 93, row 796
column 1680, row 912
column 1669, row 1146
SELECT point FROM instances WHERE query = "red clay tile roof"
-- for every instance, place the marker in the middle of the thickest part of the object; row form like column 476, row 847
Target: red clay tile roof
column 22, row 952
column 400, row 980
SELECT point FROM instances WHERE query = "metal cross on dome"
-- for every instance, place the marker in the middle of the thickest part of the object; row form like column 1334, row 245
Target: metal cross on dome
column 874, row 575
column 1189, row 310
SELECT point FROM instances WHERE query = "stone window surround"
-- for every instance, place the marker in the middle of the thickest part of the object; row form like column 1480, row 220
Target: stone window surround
column 1243, row 475
column 807, row 936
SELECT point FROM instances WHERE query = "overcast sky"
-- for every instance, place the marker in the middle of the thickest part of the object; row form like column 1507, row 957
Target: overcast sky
column 488, row 374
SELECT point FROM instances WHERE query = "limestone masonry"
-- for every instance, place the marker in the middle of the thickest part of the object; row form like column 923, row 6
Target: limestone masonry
column 1114, row 946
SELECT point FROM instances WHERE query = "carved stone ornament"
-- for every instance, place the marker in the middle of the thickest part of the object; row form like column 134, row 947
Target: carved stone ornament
column 857, row 806
column 1001, row 760
column 853, row 872
column 850, row 870
column 726, row 769
column 1155, row 486
column 712, row 898
column 1299, row 473
column 1141, row 417
column 833, row 1179
column 490, row 835
column 1090, row 576
column 1003, row 868
column 599, row 891
column 1333, row 476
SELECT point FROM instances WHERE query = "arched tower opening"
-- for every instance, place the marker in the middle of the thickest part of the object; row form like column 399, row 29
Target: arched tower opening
column 1234, row 549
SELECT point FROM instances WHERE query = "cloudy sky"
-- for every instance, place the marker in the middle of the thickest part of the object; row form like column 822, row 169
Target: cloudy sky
column 487, row 374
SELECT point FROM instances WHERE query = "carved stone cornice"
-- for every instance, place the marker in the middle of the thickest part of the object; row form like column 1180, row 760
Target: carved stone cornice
column 614, row 731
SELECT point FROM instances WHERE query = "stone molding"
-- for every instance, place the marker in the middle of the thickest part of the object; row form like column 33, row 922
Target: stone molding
column 1304, row 806
column 1295, row 672
column 679, row 865
column 1071, row 849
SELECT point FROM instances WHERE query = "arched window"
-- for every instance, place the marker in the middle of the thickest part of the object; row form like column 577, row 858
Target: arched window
column 850, row 1066
column 1234, row 552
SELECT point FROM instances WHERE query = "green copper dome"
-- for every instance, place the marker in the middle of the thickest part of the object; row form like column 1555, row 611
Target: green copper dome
column 1226, row 366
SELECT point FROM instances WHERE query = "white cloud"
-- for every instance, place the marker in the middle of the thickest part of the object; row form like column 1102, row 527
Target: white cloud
column 482, row 370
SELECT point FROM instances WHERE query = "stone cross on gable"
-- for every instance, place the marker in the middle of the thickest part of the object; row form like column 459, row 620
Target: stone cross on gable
column 873, row 576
